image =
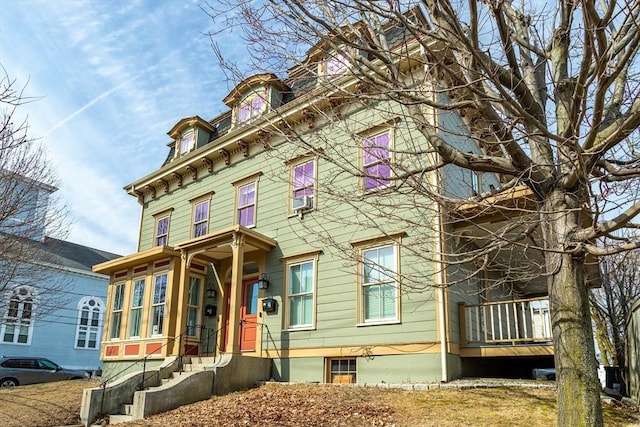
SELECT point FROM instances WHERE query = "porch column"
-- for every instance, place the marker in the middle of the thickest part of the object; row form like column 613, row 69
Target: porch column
column 235, row 294
column 183, row 289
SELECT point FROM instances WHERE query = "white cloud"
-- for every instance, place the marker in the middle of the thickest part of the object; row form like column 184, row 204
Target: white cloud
column 114, row 78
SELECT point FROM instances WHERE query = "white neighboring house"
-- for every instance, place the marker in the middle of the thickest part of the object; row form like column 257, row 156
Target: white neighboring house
column 52, row 305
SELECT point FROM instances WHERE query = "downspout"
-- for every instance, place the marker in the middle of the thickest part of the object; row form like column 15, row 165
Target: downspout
column 440, row 280
column 440, row 276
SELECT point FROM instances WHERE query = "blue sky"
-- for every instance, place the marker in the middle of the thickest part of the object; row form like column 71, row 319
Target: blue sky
column 112, row 77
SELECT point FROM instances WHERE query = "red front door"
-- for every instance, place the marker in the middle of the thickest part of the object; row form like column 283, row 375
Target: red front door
column 249, row 315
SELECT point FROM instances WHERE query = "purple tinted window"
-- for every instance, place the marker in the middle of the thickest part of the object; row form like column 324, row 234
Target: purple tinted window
column 186, row 143
column 162, row 230
column 337, row 64
column 243, row 112
column 245, row 216
column 200, row 219
column 250, row 108
column 246, row 204
column 304, row 179
column 376, row 161
column 246, row 194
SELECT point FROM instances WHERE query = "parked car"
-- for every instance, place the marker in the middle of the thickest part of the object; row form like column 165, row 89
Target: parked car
column 544, row 374
column 32, row 370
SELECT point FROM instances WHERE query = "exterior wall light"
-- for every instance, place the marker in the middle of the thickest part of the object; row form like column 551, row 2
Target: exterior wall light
column 263, row 283
column 211, row 292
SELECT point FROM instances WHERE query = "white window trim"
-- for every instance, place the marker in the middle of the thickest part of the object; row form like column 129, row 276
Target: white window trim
column 30, row 293
column 361, row 320
column 288, row 264
column 84, row 302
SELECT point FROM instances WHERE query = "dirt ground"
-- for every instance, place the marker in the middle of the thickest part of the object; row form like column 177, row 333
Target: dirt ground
column 58, row 404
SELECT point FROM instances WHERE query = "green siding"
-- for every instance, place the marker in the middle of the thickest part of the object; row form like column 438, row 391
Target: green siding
column 336, row 308
column 397, row 369
column 409, row 368
column 306, row 369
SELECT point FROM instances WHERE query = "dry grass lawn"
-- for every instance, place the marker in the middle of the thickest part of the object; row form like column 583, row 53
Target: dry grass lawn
column 41, row 405
column 56, row 404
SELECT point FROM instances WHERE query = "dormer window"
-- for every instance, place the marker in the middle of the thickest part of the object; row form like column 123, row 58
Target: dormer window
column 336, row 64
column 252, row 106
column 255, row 96
column 187, row 142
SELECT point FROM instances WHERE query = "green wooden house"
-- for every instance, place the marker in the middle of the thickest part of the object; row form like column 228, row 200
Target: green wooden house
column 253, row 245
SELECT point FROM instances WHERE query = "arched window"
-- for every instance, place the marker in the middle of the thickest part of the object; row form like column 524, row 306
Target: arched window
column 18, row 317
column 90, row 314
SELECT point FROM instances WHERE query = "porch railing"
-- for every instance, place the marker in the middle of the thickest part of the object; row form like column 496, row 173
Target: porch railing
column 506, row 322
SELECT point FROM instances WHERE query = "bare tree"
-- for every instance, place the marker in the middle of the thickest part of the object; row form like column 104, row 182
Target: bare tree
column 549, row 92
column 31, row 222
column 611, row 305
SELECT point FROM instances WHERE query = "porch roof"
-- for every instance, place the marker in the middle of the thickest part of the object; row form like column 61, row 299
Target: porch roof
column 216, row 244
column 134, row 259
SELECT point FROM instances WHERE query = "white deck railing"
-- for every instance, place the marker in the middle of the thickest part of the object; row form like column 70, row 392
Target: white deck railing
column 515, row 322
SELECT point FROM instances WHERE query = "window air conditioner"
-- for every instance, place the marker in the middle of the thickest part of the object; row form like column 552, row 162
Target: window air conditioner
column 301, row 203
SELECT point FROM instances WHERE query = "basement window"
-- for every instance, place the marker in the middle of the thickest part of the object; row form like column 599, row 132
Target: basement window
column 342, row 371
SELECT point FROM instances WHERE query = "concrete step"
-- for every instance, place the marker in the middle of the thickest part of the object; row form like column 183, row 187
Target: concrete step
column 119, row 419
column 207, row 361
column 191, row 367
column 127, row 409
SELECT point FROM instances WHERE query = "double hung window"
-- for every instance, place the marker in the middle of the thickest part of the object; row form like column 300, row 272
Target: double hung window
column 376, row 157
column 303, row 182
column 200, row 218
column 301, row 280
column 379, row 293
column 162, row 230
column 246, row 204
column 116, row 311
column 137, row 302
column 158, row 303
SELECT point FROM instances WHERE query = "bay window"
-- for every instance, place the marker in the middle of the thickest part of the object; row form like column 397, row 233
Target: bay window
column 137, row 302
column 158, row 303
column 116, row 311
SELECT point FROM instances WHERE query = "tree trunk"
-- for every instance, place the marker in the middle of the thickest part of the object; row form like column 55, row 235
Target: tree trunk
column 576, row 366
